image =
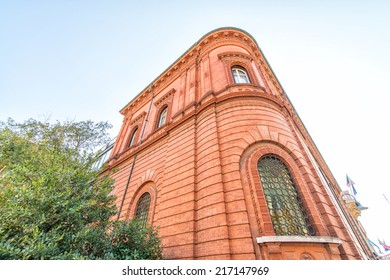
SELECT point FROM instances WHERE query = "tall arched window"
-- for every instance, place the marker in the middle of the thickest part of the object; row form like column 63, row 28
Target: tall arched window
column 142, row 211
column 240, row 75
column 133, row 136
column 162, row 117
column 288, row 214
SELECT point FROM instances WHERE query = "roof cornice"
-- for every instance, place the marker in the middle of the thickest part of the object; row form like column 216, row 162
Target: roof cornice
column 190, row 55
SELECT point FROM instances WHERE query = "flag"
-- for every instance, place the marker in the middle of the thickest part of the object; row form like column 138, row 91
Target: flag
column 351, row 185
column 383, row 244
column 376, row 246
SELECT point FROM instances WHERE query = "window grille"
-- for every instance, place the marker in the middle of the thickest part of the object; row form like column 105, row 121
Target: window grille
column 142, row 211
column 288, row 214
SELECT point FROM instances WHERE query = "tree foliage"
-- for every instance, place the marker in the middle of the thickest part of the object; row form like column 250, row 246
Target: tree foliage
column 54, row 205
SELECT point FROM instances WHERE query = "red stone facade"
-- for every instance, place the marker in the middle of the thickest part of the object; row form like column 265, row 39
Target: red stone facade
column 200, row 165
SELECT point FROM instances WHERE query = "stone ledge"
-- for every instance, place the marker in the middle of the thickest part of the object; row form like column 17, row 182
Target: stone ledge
column 300, row 239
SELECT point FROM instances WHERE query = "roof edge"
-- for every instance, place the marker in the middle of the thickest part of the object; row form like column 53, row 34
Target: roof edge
column 187, row 51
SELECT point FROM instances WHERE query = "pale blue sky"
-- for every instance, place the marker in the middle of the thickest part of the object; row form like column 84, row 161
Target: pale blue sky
column 86, row 59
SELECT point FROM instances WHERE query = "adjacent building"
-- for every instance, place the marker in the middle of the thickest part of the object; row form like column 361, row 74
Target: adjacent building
column 213, row 153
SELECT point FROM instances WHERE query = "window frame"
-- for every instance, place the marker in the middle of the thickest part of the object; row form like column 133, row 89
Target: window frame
column 133, row 137
column 236, row 68
column 142, row 215
column 258, row 214
column 163, row 111
column 147, row 184
column 279, row 202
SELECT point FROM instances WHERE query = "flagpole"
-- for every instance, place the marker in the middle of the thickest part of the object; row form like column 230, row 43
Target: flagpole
column 386, row 198
column 364, row 237
column 351, row 185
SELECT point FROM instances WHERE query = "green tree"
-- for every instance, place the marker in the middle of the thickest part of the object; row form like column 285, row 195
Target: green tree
column 54, row 205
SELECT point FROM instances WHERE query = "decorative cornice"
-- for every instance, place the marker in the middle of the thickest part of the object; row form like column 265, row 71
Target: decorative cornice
column 194, row 110
column 234, row 56
column 245, row 87
column 166, row 97
column 214, row 38
column 130, row 152
column 135, row 103
column 138, row 119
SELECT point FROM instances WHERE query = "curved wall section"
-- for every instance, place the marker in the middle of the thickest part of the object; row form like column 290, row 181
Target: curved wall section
column 200, row 165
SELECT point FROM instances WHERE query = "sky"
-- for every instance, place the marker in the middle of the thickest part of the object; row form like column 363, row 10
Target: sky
column 85, row 60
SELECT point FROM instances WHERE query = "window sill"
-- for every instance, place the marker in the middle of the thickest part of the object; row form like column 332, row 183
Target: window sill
column 298, row 239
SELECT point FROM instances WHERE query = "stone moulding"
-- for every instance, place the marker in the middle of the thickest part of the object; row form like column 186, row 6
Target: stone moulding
column 298, row 239
column 166, row 96
column 215, row 38
column 234, row 56
column 139, row 118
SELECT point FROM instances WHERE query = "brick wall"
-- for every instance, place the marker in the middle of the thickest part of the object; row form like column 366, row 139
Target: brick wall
column 201, row 166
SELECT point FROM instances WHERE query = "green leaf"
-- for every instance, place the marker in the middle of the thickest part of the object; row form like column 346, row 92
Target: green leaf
column 53, row 205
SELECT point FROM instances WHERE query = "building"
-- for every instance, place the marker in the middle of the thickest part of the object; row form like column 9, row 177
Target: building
column 214, row 154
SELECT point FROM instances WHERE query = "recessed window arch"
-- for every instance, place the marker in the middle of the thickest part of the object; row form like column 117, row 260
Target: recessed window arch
column 142, row 210
column 286, row 208
column 240, row 75
column 162, row 117
column 133, row 137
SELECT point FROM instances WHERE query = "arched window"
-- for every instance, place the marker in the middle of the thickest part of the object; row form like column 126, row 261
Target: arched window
column 288, row 214
column 240, row 75
column 142, row 211
column 133, row 136
column 162, row 117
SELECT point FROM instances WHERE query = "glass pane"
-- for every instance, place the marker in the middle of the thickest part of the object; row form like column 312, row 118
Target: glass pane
column 235, row 77
column 142, row 211
column 240, row 76
column 133, row 137
column 288, row 214
column 163, row 117
column 243, row 76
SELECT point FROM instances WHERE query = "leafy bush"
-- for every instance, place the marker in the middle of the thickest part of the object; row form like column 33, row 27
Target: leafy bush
column 54, row 205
